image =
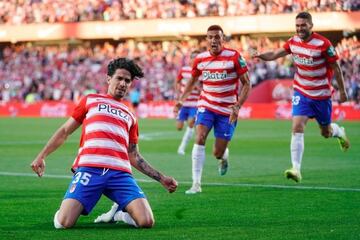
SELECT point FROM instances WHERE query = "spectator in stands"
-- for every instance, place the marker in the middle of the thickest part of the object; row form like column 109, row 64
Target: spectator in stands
column 68, row 72
column 40, row 11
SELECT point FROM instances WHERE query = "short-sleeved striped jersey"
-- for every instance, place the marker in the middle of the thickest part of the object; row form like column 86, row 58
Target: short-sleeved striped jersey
column 312, row 58
column 108, row 128
column 183, row 78
column 220, row 79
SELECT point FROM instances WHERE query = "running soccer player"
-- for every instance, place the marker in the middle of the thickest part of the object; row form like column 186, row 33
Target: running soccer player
column 220, row 70
column 316, row 61
column 188, row 109
column 108, row 149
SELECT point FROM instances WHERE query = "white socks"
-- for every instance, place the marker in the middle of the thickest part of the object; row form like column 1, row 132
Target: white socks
column 57, row 225
column 198, row 160
column 186, row 138
column 336, row 130
column 226, row 154
column 125, row 217
column 297, row 149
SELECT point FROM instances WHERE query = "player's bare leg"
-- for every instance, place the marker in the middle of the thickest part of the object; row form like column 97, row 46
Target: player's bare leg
column 187, row 136
column 198, row 158
column 334, row 130
column 179, row 125
column 68, row 213
column 221, row 152
column 296, row 147
column 138, row 213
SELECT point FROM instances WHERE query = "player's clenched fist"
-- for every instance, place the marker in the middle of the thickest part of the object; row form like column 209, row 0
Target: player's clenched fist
column 38, row 166
column 169, row 183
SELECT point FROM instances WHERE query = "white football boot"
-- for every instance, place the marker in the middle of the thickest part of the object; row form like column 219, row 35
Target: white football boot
column 196, row 188
column 108, row 216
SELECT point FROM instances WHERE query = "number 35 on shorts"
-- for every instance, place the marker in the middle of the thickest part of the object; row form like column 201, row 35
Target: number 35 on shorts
column 83, row 177
column 295, row 100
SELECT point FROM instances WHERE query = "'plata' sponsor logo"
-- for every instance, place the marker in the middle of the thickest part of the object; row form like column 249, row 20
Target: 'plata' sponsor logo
column 214, row 75
column 303, row 60
column 114, row 111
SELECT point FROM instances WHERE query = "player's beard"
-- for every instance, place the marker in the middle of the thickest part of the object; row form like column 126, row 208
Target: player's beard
column 119, row 93
column 215, row 48
column 304, row 34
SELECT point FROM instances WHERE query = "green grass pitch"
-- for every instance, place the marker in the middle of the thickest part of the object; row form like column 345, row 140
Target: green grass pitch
column 253, row 201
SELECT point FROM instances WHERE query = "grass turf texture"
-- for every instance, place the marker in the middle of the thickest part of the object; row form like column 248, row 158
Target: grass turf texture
column 259, row 153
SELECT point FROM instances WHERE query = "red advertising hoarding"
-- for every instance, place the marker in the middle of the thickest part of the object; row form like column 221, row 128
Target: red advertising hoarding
column 164, row 109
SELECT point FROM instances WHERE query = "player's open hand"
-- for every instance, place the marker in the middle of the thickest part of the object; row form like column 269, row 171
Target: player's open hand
column 177, row 107
column 234, row 113
column 38, row 166
column 343, row 97
column 169, row 183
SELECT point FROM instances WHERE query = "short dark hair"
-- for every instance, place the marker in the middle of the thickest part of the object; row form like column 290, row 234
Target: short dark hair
column 215, row 28
column 125, row 63
column 304, row 15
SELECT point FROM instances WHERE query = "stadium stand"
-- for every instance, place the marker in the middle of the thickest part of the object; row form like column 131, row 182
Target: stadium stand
column 41, row 11
column 31, row 72
column 63, row 55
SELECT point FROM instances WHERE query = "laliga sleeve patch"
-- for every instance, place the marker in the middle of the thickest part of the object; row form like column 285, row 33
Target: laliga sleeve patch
column 242, row 62
column 331, row 51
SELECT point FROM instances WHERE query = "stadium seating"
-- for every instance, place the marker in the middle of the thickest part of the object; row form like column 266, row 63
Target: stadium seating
column 20, row 12
column 29, row 72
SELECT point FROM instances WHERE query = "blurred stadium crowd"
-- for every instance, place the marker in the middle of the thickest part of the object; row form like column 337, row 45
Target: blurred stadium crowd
column 34, row 72
column 52, row 11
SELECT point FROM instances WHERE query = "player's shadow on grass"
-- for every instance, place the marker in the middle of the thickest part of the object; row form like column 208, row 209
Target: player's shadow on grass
column 83, row 225
column 102, row 226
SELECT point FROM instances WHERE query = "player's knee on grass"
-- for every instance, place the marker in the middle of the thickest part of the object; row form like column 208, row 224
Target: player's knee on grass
column 145, row 222
column 61, row 221
column 57, row 224
column 67, row 222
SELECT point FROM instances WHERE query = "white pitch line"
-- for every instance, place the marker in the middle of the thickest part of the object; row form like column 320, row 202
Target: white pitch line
column 251, row 185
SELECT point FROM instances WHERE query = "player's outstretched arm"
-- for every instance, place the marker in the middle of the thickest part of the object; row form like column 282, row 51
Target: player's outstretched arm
column 270, row 55
column 143, row 166
column 340, row 81
column 244, row 93
column 57, row 139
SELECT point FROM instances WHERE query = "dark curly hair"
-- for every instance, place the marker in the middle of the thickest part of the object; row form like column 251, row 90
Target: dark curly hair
column 125, row 63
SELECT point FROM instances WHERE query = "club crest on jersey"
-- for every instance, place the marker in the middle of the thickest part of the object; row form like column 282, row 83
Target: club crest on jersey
column 214, row 75
column 107, row 108
column 303, row 60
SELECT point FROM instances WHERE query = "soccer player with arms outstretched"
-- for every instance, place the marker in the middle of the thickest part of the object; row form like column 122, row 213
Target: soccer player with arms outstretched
column 219, row 70
column 108, row 149
column 188, row 109
column 316, row 61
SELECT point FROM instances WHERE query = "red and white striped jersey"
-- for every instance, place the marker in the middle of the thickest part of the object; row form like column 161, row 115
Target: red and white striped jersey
column 183, row 78
column 220, row 79
column 108, row 128
column 312, row 58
